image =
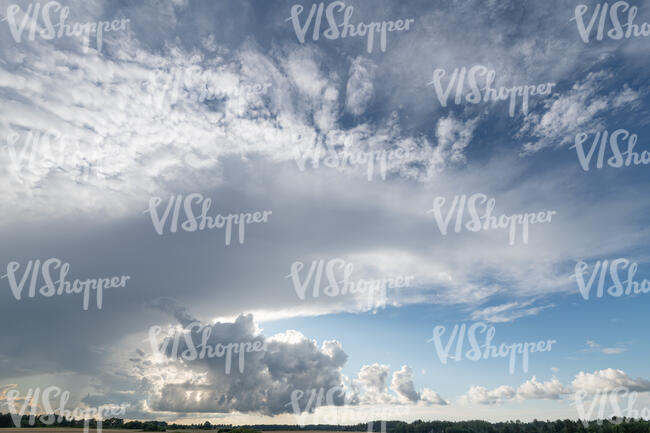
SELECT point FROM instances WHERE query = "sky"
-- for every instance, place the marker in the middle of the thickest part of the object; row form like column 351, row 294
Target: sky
column 361, row 210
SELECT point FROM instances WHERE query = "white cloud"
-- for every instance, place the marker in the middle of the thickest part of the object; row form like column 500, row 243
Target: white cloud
column 625, row 97
column 608, row 380
column 453, row 137
column 595, row 347
column 371, row 386
column 577, row 110
column 144, row 123
column 534, row 390
column 290, row 362
column 482, row 395
column 603, row 381
column 372, row 380
column 360, row 85
column 508, row 312
column 403, row 386
column 431, row 397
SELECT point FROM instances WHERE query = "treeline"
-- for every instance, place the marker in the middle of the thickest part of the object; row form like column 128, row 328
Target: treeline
column 6, row 420
column 624, row 425
column 613, row 425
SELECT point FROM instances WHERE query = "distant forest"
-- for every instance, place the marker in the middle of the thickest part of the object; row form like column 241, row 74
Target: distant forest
column 613, row 425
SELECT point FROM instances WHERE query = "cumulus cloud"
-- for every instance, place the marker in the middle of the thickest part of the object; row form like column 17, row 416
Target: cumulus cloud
column 603, row 381
column 372, row 381
column 402, row 385
column 484, row 396
column 534, row 390
column 370, row 384
column 431, row 397
column 179, row 378
column 608, row 380
column 256, row 381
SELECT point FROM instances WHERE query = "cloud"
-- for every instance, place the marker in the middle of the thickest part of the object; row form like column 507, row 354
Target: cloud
column 360, row 85
column 146, row 123
column 580, row 109
column 508, row 312
column 402, row 385
column 534, row 390
column 372, row 381
column 595, row 347
column 453, row 137
column 256, row 381
column 484, row 396
column 171, row 107
column 431, row 397
column 291, row 362
column 626, row 97
column 604, row 381
column 608, row 380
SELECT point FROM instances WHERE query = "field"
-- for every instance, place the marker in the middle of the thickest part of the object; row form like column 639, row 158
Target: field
column 80, row 430
column 62, row 430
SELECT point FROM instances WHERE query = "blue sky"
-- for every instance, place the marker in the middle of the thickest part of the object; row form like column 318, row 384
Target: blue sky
column 216, row 101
